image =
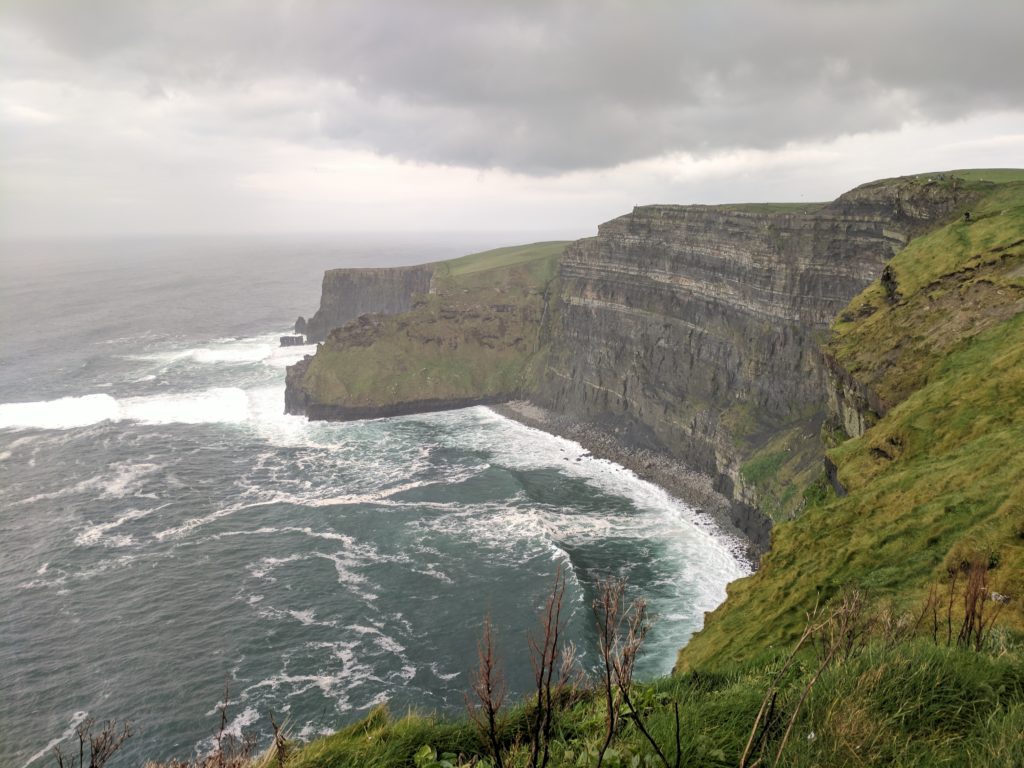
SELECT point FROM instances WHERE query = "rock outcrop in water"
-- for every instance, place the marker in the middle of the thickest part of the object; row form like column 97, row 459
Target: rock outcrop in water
column 689, row 329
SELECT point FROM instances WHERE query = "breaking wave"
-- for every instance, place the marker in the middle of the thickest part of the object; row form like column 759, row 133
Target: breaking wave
column 223, row 405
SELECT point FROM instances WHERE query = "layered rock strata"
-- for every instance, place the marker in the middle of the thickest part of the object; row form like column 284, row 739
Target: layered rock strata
column 696, row 329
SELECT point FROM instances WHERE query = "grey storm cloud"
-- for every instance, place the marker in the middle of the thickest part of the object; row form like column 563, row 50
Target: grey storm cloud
column 544, row 87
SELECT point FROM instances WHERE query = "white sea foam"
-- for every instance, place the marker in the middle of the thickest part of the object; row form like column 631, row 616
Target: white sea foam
column 408, row 672
column 217, row 405
column 351, row 673
column 196, row 522
column 63, row 413
column 375, row 497
column 310, row 731
column 343, row 565
column 308, row 618
column 700, row 559
column 235, row 728
column 262, row 406
column 446, row 676
column 285, row 356
column 429, row 570
column 94, row 534
column 518, row 446
column 254, row 349
column 262, row 569
column 125, row 480
column 240, row 351
column 76, row 719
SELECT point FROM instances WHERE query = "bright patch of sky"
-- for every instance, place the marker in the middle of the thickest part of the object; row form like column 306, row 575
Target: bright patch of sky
column 173, row 116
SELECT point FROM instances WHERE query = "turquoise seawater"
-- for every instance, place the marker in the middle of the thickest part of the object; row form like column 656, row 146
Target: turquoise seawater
column 165, row 528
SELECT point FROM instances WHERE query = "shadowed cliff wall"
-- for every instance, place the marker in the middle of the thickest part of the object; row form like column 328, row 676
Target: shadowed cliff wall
column 696, row 329
column 349, row 293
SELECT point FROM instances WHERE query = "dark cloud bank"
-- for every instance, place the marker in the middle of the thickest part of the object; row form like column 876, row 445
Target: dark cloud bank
column 547, row 87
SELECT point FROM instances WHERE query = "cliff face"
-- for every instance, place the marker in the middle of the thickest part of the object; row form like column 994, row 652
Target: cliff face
column 697, row 328
column 349, row 293
column 694, row 330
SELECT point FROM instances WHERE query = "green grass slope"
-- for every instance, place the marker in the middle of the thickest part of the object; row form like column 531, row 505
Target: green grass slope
column 476, row 335
column 500, row 258
column 937, row 480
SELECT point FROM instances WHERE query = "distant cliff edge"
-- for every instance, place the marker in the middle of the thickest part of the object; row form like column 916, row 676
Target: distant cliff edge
column 349, row 293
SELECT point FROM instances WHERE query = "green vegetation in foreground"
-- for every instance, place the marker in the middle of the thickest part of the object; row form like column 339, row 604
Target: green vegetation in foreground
column 478, row 334
column 936, row 482
column 909, row 703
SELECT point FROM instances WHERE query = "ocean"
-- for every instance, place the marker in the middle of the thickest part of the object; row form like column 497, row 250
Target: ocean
column 165, row 529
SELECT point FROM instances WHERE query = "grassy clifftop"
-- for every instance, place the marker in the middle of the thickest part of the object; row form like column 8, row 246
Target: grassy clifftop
column 475, row 335
column 937, row 349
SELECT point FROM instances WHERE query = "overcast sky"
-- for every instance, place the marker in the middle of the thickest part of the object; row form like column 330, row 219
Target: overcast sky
column 227, row 116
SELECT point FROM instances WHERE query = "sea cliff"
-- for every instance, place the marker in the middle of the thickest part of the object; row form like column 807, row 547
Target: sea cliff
column 884, row 627
column 690, row 331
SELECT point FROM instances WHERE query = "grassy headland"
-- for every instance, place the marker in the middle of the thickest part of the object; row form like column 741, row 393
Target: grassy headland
column 476, row 335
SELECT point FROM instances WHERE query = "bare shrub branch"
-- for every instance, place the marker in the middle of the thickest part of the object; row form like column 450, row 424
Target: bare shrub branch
column 280, row 742
column 230, row 751
column 975, row 627
column 621, row 632
column 607, row 609
column 102, row 744
column 546, row 657
column 490, row 690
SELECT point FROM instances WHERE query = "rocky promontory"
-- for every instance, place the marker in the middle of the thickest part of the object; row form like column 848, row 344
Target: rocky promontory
column 477, row 334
